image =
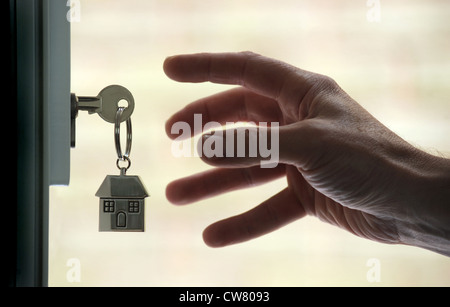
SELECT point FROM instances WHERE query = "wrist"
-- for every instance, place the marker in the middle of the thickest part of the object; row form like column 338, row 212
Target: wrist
column 427, row 220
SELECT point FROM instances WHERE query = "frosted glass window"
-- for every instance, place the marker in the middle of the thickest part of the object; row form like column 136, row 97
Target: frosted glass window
column 395, row 64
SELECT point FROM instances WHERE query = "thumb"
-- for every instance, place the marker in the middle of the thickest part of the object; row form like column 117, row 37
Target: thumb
column 247, row 146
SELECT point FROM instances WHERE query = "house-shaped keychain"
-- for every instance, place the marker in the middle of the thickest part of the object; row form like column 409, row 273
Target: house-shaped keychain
column 122, row 200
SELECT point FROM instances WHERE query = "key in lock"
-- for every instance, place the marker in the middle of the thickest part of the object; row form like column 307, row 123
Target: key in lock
column 105, row 104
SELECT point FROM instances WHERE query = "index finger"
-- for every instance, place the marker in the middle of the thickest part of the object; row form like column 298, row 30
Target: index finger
column 263, row 75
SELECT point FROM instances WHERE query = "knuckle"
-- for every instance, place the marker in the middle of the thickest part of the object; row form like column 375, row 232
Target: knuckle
column 248, row 53
column 315, row 137
column 324, row 83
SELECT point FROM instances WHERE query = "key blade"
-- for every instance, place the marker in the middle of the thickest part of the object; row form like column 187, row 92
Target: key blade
column 90, row 103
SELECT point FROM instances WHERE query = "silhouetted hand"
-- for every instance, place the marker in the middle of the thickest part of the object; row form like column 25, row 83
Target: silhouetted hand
column 341, row 164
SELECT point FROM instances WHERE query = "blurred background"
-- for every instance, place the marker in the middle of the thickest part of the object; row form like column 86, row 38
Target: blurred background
column 396, row 66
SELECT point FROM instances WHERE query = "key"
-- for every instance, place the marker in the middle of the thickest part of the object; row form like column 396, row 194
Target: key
column 106, row 103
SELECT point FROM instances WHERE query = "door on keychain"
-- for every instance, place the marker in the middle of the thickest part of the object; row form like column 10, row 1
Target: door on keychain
column 39, row 62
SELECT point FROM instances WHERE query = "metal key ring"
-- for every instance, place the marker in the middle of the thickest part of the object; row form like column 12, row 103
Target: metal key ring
column 117, row 135
column 123, row 168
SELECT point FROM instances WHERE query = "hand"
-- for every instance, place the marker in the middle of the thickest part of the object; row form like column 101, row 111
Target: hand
column 341, row 164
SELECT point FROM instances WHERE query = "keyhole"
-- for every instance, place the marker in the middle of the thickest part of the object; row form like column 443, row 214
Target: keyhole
column 122, row 103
